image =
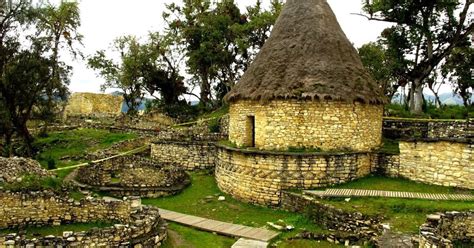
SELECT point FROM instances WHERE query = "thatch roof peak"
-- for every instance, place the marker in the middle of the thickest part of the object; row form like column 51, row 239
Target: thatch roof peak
column 307, row 56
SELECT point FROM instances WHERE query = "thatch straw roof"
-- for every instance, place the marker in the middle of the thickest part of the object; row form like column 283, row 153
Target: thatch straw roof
column 307, row 56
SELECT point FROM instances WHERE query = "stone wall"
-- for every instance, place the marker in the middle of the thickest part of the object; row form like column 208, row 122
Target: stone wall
column 94, row 104
column 131, row 175
column 259, row 177
column 427, row 129
column 280, row 125
column 444, row 230
column 365, row 227
column 445, row 163
column 13, row 169
column 189, row 155
column 139, row 225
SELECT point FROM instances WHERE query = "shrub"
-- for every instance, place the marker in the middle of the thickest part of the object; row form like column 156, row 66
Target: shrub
column 51, row 163
column 31, row 182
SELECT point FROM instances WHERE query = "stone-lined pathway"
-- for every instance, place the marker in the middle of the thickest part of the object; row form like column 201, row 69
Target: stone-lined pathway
column 219, row 227
column 389, row 194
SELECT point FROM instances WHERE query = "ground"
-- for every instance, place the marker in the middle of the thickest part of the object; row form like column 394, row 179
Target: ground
column 201, row 199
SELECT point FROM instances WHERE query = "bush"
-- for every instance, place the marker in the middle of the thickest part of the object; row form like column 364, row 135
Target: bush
column 51, row 163
column 431, row 112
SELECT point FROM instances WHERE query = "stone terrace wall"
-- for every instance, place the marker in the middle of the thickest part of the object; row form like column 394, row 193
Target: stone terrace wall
column 191, row 155
column 441, row 163
column 427, row 129
column 441, row 230
column 94, row 104
column 141, row 226
column 12, row 169
column 280, row 125
column 259, row 177
column 366, row 227
column 446, row 163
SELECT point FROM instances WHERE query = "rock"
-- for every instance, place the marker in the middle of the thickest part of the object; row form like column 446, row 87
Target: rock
column 347, row 199
column 221, row 198
column 278, row 227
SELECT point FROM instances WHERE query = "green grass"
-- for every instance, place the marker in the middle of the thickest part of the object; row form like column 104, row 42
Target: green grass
column 75, row 143
column 200, row 199
column 186, row 237
column 405, row 215
column 397, row 184
column 57, row 230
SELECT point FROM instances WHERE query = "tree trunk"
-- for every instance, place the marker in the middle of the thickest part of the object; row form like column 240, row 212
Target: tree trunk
column 205, row 91
column 416, row 97
column 8, row 144
column 27, row 139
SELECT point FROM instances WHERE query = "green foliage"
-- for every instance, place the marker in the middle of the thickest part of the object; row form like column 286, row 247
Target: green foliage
column 57, row 231
column 390, row 146
column 219, row 40
column 421, row 37
column 51, row 163
column 431, row 112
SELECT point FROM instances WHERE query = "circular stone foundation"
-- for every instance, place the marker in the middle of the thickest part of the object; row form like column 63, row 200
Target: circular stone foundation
column 132, row 176
column 327, row 125
column 259, row 176
column 139, row 226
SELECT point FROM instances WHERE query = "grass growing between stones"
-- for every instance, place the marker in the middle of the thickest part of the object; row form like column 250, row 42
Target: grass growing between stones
column 405, row 215
column 201, row 199
column 68, row 148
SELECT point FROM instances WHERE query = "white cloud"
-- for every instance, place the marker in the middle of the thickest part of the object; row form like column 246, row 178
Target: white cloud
column 104, row 20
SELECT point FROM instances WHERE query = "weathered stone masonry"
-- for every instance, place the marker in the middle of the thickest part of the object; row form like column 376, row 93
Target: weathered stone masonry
column 94, row 104
column 191, row 155
column 441, row 230
column 140, row 226
column 328, row 125
column 259, row 177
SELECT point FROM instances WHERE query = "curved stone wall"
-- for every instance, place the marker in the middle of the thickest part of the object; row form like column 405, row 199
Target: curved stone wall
column 281, row 124
column 259, row 177
column 138, row 225
column 447, row 229
column 131, row 176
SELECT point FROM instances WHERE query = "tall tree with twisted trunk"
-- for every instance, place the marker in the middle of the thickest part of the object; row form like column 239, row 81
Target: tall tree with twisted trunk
column 425, row 32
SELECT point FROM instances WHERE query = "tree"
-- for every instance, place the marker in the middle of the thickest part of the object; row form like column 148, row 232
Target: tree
column 26, row 73
column 59, row 26
column 459, row 70
column 383, row 67
column 219, row 41
column 143, row 68
column 425, row 32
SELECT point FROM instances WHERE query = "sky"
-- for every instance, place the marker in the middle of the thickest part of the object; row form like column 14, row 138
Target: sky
column 105, row 20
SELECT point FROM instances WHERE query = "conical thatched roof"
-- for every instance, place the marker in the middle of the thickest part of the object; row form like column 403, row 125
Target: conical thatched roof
column 307, row 56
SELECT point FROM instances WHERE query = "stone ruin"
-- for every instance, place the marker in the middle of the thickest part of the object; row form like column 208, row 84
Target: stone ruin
column 13, row 169
column 131, row 176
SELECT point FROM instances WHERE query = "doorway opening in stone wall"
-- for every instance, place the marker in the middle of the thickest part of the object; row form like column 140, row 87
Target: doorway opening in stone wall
column 250, row 132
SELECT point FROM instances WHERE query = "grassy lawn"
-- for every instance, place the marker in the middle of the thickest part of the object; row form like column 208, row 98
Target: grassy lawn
column 398, row 184
column 74, row 144
column 405, row 215
column 57, row 230
column 185, row 237
column 200, row 199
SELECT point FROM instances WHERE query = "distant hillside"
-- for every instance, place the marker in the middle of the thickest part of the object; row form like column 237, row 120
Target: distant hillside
column 446, row 98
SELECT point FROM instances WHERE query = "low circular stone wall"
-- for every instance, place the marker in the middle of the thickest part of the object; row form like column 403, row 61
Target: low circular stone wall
column 132, row 176
column 139, row 226
column 259, row 177
column 328, row 125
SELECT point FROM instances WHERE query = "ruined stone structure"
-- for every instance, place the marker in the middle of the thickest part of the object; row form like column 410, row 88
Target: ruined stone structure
column 447, row 230
column 85, row 104
column 131, row 176
column 306, row 89
column 13, row 169
column 139, row 225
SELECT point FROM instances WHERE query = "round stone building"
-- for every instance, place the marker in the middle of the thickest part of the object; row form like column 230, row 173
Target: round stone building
column 308, row 90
